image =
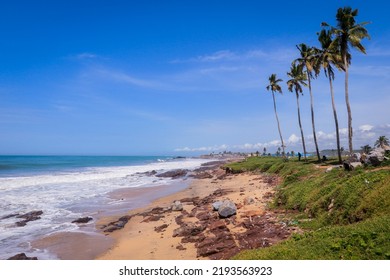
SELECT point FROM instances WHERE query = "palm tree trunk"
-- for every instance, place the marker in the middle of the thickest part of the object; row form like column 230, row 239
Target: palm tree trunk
column 300, row 126
column 350, row 132
column 335, row 120
column 312, row 119
column 277, row 119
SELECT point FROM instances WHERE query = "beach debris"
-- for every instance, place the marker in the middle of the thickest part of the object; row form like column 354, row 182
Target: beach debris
column 174, row 174
column 227, row 209
column 22, row 256
column 177, row 206
column 28, row 217
column 82, row 220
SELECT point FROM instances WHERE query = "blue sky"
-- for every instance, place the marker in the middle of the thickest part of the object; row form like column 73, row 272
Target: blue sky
column 176, row 77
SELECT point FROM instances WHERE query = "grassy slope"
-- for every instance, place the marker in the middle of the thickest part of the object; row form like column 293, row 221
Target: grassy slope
column 346, row 214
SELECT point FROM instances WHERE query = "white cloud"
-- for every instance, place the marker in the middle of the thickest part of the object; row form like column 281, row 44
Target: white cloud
column 293, row 139
column 366, row 127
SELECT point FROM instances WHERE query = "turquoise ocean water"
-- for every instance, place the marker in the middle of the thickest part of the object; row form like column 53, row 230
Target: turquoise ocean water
column 65, row 188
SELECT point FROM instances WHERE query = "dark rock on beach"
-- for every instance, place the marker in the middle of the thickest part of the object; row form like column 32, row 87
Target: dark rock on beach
column 177, row 173
column 28, row 217
column 22, row 256
column 83, row 220
column 9, row 216
column 118, row 224
column 148, row 173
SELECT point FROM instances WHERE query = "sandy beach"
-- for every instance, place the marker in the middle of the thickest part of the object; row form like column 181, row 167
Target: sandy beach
column 157, row 232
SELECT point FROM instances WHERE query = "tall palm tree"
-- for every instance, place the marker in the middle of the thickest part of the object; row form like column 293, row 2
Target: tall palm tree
column 308, row 61
column 298, row 79
column 382, row 142
column 329, row 55
column 274, row 86
column 348, row 34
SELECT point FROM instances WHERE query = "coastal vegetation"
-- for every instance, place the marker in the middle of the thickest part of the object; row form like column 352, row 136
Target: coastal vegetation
column 343, row 215
column 336, row 43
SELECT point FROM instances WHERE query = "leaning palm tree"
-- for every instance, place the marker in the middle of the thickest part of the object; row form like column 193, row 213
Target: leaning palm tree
column 274, row 86
column 329, row 56
column 298, row 78
column 348, row 34
column 309, row 62
column 382, row 142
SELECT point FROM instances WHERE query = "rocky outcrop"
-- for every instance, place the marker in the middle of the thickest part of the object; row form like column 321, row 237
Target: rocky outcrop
column 83, row 220
column 148, row 173
column 28, row 217
column 174, row 174
column 118, row 224
column 22, row 256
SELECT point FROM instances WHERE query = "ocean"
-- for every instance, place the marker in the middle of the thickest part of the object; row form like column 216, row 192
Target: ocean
column 65, row 188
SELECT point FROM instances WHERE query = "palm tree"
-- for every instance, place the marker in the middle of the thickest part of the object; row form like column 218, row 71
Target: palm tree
column 366, row 149
column 274, row 86
column 348, row 34
column 328, row 56
column 298, row 78
column 382, row 142
column 308, row 60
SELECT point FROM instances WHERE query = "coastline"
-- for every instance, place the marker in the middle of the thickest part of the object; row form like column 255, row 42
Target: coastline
column 156, row 232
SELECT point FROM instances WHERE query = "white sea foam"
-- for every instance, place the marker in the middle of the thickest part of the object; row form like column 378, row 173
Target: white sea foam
column 58, row 195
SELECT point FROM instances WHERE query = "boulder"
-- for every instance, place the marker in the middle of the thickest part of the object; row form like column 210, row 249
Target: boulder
column 227, row 209
column 216, row 205
column 177, row 206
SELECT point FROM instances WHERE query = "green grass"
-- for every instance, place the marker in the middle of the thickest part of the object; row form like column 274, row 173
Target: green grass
column 346, row 206
column 366, row 240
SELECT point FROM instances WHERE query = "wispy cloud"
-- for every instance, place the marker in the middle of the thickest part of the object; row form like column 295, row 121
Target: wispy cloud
column 276, row 54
